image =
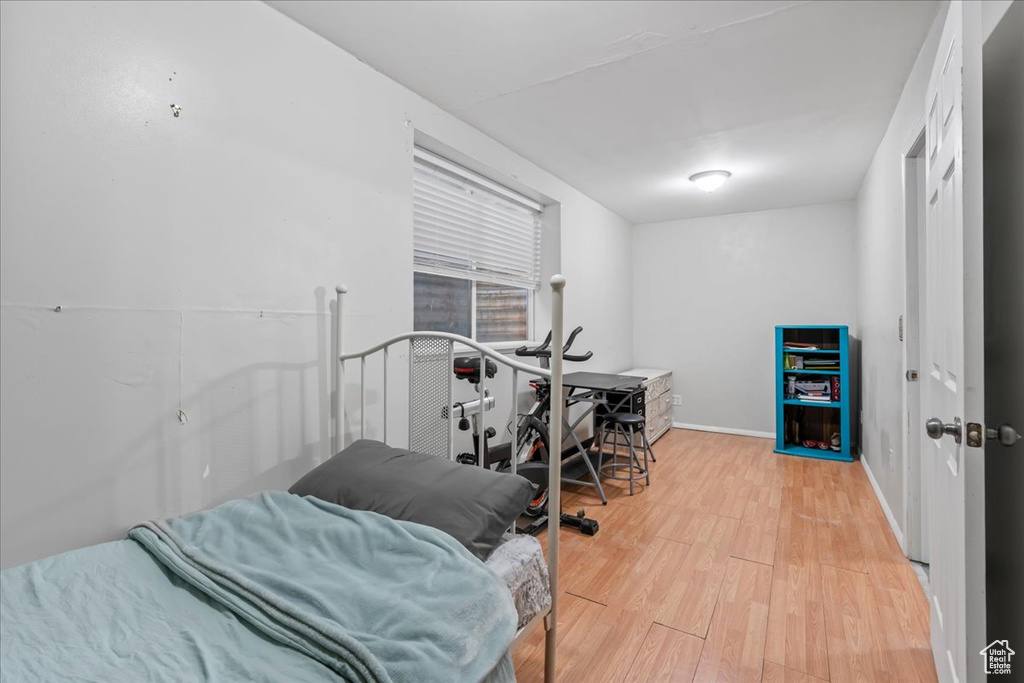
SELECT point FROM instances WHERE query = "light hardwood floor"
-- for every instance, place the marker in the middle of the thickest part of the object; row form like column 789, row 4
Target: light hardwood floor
column 736, row 564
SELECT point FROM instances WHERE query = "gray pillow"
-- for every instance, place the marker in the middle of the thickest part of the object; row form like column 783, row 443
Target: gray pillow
column 473, row 504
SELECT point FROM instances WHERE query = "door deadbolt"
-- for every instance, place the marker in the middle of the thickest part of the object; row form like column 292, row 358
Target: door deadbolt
column 975, row 432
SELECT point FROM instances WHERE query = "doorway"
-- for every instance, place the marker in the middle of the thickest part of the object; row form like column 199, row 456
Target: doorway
column 1003, row 56
column 916, row 466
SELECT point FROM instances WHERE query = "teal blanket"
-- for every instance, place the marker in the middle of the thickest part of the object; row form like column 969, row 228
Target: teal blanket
column 273, row 587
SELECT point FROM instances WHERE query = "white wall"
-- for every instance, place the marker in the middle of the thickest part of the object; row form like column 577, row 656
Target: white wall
column 992, row 12
column 188, row 254
column 881, row 271
column 708, row 293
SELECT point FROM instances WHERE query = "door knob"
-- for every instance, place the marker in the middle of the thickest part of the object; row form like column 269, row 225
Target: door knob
column 936, row 428
column 1004, row 434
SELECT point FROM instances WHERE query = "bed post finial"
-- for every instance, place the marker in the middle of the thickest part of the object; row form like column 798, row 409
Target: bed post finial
column 338, row 376
column 554, row 470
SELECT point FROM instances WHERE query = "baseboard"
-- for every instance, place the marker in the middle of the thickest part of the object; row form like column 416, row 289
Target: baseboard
column 897, row 532
column 725, row 430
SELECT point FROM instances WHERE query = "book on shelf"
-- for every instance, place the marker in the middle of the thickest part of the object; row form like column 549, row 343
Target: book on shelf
column 800, row 346
column 814, row 390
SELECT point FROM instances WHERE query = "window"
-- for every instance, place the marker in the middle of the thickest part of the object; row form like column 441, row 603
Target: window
column 476, row 253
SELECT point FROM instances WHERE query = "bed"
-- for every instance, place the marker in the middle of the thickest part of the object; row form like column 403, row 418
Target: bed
column 272, row 587
column 281, row 586
column 431, row 358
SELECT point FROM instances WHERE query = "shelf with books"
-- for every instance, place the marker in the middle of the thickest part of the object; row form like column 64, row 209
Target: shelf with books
column 820, row 404
column 813, row 372
column 813, row 391
column 834, row 351
column 798, row 361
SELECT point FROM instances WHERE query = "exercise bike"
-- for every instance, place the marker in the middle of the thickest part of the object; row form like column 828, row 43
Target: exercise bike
column 532, row 448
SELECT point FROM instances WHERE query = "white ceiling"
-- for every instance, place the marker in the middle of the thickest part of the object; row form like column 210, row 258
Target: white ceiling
column 625, row 100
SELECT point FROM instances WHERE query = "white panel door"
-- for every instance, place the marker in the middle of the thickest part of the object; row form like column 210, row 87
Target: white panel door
column 952, row 347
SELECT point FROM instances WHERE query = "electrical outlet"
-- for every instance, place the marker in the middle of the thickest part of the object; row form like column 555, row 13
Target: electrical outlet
column 677, row 400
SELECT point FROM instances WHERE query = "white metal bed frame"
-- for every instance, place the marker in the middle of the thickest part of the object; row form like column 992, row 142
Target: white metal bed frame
column 554, row 374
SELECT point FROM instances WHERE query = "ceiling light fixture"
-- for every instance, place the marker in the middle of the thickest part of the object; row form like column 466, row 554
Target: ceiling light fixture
column 709, row 181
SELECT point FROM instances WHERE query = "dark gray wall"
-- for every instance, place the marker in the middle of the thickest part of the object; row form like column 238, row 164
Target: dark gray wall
column 1004, row 323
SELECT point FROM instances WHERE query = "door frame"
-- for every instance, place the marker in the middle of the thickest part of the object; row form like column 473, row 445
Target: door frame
column 914, row 541
column 974, row 330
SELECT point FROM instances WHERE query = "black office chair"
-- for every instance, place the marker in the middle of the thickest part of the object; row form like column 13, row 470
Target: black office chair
column 626, row 424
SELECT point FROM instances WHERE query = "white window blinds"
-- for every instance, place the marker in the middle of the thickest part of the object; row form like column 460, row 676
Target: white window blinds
column 462, row 228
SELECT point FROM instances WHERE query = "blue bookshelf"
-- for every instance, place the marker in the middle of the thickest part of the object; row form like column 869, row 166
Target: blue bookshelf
column 799, row 421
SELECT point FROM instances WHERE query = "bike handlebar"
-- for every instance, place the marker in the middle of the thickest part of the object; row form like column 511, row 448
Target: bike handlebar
column 543, row 351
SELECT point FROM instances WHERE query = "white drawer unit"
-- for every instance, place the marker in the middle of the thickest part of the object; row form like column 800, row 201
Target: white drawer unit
column 658, row 399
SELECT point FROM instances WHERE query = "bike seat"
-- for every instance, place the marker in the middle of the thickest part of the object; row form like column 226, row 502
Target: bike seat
column 468, row 367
